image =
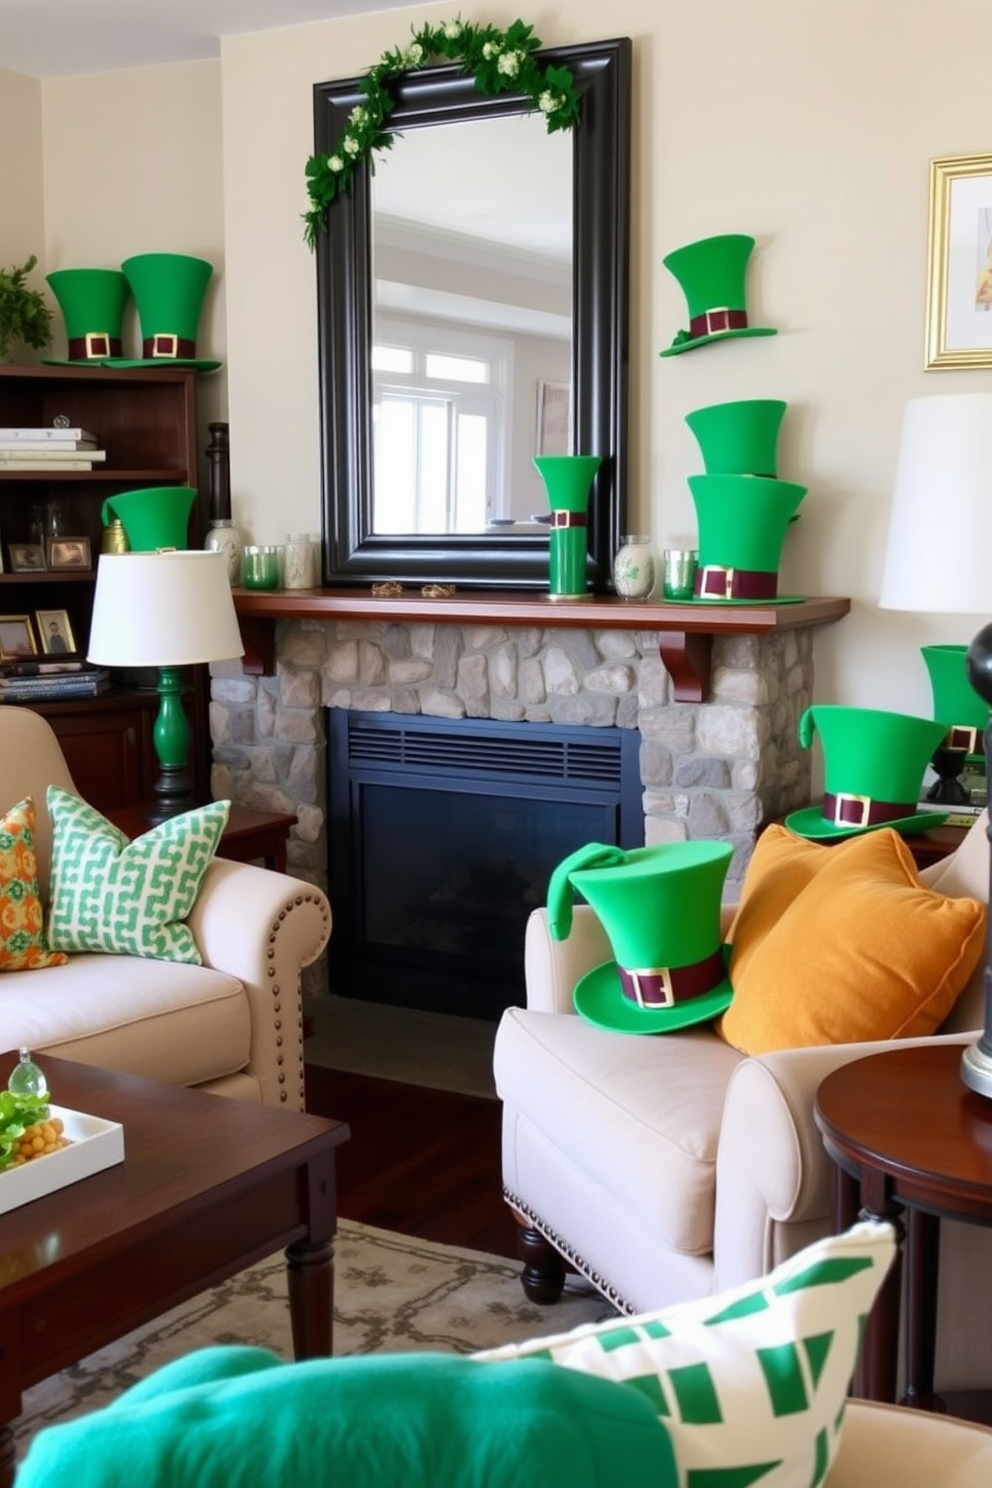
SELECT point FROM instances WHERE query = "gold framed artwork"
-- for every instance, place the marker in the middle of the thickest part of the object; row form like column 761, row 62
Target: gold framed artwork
column 16, row 637
column 69, row 552
column 54, row 632
column 27, row 557
column 959, row 263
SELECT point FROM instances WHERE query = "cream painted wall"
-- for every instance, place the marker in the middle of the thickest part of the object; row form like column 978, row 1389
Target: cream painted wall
column 22, row 218
column 809, row 126
column 133, row 163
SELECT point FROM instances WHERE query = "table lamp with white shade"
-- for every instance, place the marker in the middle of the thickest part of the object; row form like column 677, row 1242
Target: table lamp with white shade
column 168, row 609
column 939, row 560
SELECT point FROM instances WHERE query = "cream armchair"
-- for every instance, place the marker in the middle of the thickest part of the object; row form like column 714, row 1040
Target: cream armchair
column 233, row 1026
column 669, row 1167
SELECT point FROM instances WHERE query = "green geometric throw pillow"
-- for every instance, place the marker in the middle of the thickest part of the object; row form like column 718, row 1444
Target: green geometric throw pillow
column 127, row 898
column 751, row 1384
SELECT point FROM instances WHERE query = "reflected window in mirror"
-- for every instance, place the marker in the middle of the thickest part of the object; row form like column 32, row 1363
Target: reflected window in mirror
column 440, row 427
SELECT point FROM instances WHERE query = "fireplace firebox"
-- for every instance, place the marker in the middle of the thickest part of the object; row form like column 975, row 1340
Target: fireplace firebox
column 443, row 834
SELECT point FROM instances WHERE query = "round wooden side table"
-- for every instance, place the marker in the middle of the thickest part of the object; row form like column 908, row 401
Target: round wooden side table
column 908, row 1135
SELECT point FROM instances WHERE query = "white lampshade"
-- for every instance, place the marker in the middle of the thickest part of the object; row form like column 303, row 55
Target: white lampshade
column 164, row 609
column 940, row 528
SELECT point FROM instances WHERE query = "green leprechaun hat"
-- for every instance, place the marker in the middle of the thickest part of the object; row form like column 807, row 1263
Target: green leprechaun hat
column 168, row 290
column 956, row 704
column 712, row 273
column 92, row 303
column 660, row 907
column 739, row 438
column 874, row 763
column 153, row 517
column 742, row 522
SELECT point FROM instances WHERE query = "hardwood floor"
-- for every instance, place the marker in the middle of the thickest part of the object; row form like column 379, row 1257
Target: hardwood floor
column 423, row 1162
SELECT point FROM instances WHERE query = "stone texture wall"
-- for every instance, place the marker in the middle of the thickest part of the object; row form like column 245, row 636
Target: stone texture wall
column 718, row 769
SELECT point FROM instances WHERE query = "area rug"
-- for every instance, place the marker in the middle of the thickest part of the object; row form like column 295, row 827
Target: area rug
column 391, row 1293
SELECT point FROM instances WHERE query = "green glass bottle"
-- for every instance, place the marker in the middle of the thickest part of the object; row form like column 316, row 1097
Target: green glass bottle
column 27, row 1079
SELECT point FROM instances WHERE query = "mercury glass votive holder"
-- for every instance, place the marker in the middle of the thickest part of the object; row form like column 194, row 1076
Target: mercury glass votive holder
column 262, row 566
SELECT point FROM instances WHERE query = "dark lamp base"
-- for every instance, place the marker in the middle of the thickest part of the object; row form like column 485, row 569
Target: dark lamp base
column 947, row 788
column 173, row 794
column 976, row 1068
column 976, row 1063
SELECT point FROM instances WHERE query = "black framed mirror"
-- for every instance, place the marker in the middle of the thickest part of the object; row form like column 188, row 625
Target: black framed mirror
column 513, row 555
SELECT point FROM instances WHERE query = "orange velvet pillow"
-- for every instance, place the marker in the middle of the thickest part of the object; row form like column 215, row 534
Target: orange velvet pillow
column 839, row 944
column 781, row 866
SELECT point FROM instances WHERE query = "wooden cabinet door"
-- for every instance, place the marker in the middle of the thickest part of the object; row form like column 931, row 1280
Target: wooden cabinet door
column 109, row 753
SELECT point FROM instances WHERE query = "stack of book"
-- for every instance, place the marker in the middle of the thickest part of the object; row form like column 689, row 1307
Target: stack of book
column 49, row 448
column 49, row 681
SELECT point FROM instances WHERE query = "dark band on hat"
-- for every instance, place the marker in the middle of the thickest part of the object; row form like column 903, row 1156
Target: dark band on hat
column 711, row 322
column 964, row 736
column 664, row 986
column 847, row 809
column 567, row 519
column 165, row 344
column 94, row 346
column 715, row 582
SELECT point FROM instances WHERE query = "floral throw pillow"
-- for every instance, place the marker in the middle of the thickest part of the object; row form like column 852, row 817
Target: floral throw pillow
column 22, row 939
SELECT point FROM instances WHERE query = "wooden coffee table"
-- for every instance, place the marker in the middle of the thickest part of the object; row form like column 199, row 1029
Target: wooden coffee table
column 208, row 1186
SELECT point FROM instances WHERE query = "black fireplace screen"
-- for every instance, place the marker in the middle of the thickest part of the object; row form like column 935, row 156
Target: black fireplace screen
column 442, row 837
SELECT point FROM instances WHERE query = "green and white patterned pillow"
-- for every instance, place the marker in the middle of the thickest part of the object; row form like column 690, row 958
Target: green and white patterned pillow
column 127, row 898
column 751, row 1384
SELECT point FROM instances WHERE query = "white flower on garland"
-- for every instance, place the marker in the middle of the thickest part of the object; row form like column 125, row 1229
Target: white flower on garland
column 498, row 60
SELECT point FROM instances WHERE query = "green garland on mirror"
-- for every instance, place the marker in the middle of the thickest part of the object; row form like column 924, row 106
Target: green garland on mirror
column 500, row 61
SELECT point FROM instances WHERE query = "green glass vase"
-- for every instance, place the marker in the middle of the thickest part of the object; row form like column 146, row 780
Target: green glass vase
column 568, row 480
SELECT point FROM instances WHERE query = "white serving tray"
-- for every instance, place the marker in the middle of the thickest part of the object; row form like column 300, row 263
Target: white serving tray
column 96, row 1144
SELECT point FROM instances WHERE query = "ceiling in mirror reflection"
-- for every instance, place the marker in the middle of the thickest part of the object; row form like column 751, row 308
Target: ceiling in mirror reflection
column 459, row 178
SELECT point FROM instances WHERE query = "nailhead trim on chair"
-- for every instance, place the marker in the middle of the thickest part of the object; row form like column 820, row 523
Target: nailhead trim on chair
column 277, row 1004
column 571, row 1255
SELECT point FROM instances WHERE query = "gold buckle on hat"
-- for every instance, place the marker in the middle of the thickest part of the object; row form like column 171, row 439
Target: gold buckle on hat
column 960, row 736
column 97, row 343
column 727, row 575
column 663, row 975
column 716, row 318
column 844, row 798
column 171, row 340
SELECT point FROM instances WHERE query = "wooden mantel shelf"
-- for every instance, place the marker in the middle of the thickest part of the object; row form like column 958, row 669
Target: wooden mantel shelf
column 685, row 631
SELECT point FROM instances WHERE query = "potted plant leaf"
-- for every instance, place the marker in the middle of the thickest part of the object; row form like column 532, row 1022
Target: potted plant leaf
column 24, row 316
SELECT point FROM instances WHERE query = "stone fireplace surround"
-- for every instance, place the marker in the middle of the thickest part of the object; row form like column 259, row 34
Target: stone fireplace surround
column 718, row 767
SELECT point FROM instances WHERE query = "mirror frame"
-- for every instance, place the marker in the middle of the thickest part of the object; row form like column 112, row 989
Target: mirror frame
column 352, row 553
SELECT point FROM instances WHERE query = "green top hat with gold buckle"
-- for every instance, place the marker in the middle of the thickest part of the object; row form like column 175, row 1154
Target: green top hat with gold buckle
column 168, row 290
column 956, row 704
column 712, row 274
column 92, row 302
column 739, row 438
column 873, row 764
column 660, row 907
column 742, row 522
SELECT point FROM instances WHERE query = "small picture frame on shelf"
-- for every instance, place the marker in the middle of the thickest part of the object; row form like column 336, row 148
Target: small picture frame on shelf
column 54, row 632
column 16, row 637
column 69, row 552
column 27, row 558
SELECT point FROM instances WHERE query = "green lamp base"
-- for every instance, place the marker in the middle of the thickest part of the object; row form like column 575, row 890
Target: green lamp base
column 170, row 735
